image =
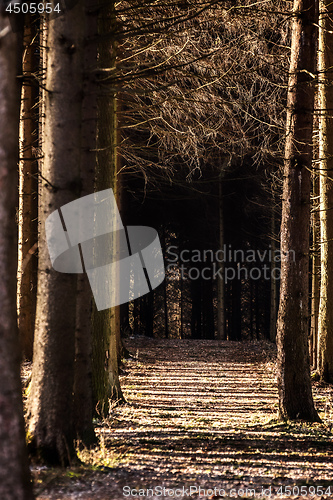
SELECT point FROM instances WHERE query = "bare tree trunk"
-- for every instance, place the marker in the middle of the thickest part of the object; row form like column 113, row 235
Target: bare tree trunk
column 274, row 295
column 315, row 285
column 325, row 67
column 27, row 235
column 221, row 334
column 14, row 469
column 105, row 323
column 51, row 397
column 83, row 391
column 294, row 384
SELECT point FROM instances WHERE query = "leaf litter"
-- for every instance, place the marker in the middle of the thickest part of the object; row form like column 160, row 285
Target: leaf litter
column 201, row 422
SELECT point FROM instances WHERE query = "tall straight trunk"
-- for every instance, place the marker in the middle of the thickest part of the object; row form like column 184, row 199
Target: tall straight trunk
column 166, row 309
column 196, row 308
column 293, row 365
column 221, row 334
column 236, row 315
column 105, row 323
column 325, row 92
column 208, row 309
column 315, row 283
column 83, row 394
column 273, row 283
column 51, row 397
column 27, row 235
column 251, row 309
column 181, row 284
column 257, row 309
column 14, row 469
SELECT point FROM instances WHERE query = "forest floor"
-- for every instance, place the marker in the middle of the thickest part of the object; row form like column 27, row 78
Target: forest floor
column 200, row 422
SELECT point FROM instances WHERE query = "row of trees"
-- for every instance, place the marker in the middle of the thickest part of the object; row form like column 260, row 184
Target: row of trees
column 171, row 106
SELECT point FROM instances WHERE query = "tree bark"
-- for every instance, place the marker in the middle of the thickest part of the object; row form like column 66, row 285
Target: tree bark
column 106, row 382
column 83, row 391
column 294, row 384
column 274, row 294
column 221, row 333
column 325, row 68
column 315, row 283
column 51, row 397
column 14, row 469
column 27, row 234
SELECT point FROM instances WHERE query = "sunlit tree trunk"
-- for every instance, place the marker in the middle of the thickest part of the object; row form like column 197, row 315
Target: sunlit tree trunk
column 293, row 364
column 274, row 294
column 325, row 88
column 14, row 469
column 315, row 284
column 83, row 392
column 106, row 382
column 51, row 397
column 27, row 235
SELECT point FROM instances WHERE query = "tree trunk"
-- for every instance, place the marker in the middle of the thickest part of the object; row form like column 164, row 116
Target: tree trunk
column 315, row 282
column 105, row 323
column 83, row 394
column 221, row 334
column 325, row 67
column 294, row 384
column 27, row 235
column 207, row 309
column 51, row 398
column 273, row 283
column 14, row 469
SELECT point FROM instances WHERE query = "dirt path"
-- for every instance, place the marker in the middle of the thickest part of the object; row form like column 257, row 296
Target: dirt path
column 200, row 414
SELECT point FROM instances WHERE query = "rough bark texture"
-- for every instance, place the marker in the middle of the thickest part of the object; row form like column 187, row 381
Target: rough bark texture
column 294, row 384
column 27, row 236
column 105, row 354
column 315, row 282
column 83, row 398
column 325, row 67
column 14, row 470
column 274, row 295
column 50, row 401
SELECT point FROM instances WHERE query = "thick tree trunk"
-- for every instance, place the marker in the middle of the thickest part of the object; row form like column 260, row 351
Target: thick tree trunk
column 294, row 384
column 51, row 398
column 27, row 235
column 106, row 382
column 14, row 469
column 325, row 67
column 83, row 393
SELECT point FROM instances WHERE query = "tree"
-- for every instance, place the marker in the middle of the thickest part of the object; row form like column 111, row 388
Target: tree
column 294, row 383
column 14, row 469
column 27, row 272
column 325, row 91
column 83, row 390
column 106, row 322
column 51, row 396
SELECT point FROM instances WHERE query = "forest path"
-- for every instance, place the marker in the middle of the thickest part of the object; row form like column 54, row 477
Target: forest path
column 200, row 413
